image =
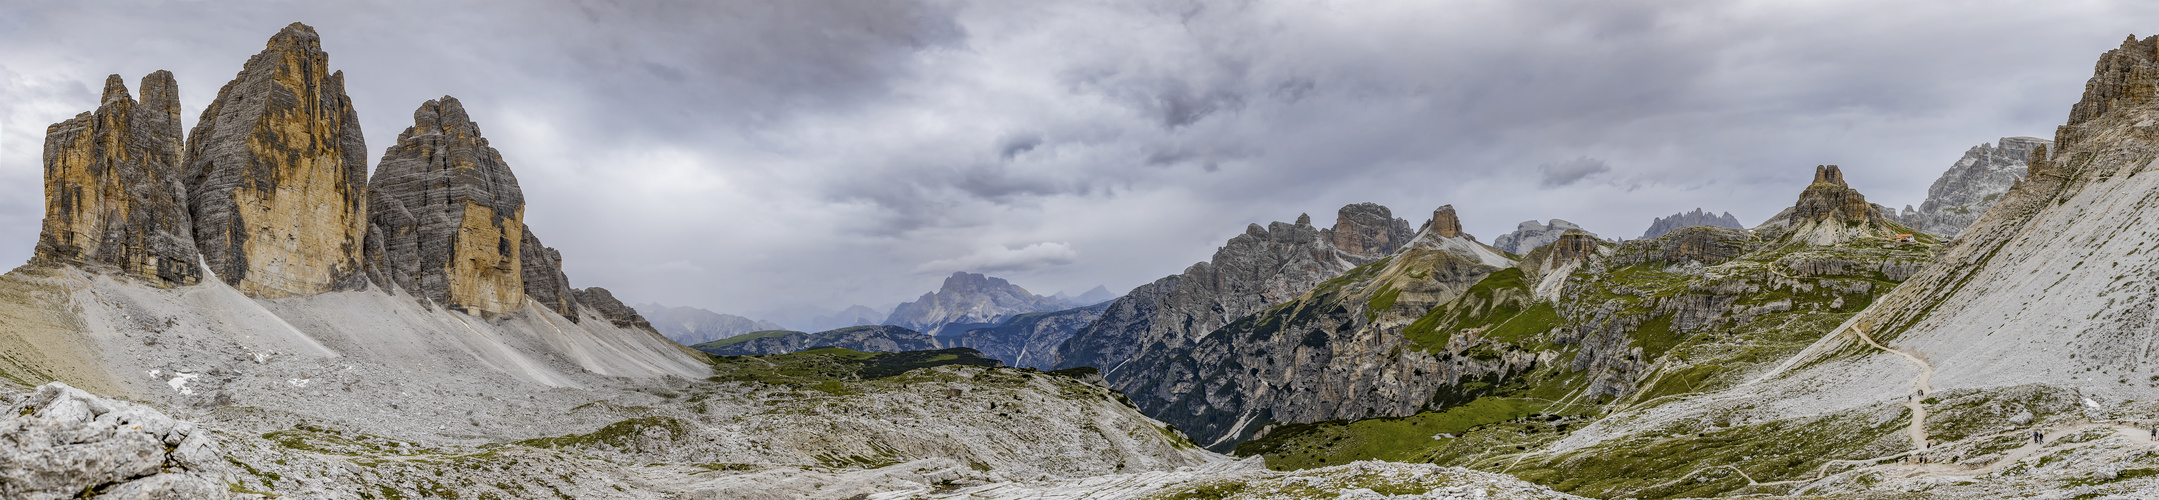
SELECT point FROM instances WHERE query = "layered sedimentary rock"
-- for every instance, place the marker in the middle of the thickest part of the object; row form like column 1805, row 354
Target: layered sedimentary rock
column 1972, row 185
column 868, row 338
column 449, row 214
column 692, row 326
column 1030, row 340
column 113, row 196
column 1367, row 231
column 1829, row 212
column 967, row 301
column 276, row 175
column 1531, row 234
column 1686, row 219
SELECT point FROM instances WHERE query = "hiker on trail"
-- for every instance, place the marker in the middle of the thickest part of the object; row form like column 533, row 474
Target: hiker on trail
column 2038, row 437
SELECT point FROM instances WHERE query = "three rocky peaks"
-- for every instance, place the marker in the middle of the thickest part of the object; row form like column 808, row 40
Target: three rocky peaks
column 269, row 193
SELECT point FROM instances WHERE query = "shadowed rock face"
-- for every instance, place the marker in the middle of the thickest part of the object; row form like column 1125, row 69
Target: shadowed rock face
column 449, row 213
column 1531, row 234
column 112, row 186
column 610, row 308
column 544, row 281
column 276, row 175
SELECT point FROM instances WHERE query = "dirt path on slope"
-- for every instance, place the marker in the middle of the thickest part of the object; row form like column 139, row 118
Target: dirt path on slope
column 1918, row 428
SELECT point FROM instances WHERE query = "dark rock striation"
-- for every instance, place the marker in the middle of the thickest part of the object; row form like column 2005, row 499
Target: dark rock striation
column 276, row 175
column 1687, row 219
column 113, row 197
column 449, row 215
column 544, row 281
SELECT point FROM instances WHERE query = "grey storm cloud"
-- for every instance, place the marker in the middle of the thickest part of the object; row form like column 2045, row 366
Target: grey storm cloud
column 1571, row 171
column 771, row 155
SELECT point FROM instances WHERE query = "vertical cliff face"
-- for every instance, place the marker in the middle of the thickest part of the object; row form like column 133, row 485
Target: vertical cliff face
column 112, row 186
column 276, row 175
column 449, row 214
column 1531, row 234
column 544, row 281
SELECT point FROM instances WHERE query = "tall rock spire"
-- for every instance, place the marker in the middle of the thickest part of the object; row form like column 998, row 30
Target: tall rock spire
column 276, row 175
column 449, row 214
column 112, row 191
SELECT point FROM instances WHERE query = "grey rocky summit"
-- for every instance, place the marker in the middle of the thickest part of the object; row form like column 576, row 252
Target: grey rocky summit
column 1972, row 185
column 1531, row 234
column 449, row 215
column 968, row 300
column 1260, row 268
column 1686, row 219
column 610, row 308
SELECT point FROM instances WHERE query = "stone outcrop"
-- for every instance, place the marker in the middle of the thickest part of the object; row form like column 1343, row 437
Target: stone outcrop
column 1830, row 212
column 968, row 301
column 1030, row 340
column 1972, row 185
column 692, row 326
column 62, row 442
column 1531, row 234
column 1687, row 219
column 276, row 175
column 544, row 281
column 113, row 197
column 1367, row 232
column 449, row 214
column 868, row 338
column 603, row 302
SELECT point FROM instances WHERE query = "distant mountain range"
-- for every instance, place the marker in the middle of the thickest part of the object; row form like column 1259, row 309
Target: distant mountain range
column 691, row 326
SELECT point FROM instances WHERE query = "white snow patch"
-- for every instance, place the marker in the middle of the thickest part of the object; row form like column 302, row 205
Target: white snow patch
column 179, row 382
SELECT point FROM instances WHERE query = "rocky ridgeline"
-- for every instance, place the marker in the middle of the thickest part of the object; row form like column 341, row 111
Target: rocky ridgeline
column 271, row 191
column 692, row 326
column 1686, row 219
column 1972, row 185
column 1532, row 234
column 967, row 301
column 113, row 192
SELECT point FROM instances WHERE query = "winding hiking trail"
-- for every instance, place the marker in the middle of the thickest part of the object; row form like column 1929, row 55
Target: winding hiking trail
column 1918, row 429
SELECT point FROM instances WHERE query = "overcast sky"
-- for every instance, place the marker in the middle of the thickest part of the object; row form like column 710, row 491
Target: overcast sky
column 752, row 157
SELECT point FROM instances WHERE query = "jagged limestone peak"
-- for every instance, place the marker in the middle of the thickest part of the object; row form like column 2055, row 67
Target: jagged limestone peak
column 1831, row 212
column 449, row 215
column 113, row 199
